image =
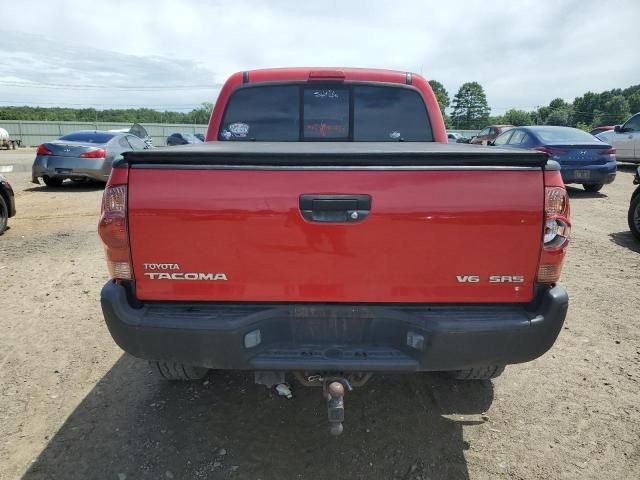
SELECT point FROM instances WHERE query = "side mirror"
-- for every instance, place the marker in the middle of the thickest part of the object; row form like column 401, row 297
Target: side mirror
column 492, row 143
column 618, row 129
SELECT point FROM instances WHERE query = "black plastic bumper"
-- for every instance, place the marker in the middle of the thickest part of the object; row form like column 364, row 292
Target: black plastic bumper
column 336, row 337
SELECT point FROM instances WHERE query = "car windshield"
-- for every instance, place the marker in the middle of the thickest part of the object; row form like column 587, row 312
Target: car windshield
column 89, row 137
column 360, row 113
column 563, row 134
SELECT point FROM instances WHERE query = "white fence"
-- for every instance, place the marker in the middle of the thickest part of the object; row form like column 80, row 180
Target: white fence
column 33, row 133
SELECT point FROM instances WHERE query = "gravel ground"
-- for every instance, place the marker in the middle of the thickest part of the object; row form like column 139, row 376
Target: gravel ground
column 72, row 405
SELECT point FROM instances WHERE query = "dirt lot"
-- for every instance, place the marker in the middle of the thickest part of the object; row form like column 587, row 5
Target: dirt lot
column 73, row 406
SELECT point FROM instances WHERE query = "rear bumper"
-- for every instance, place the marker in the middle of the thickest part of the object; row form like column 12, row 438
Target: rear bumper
column 604, row 174
column 336, row 337
column 70, row 167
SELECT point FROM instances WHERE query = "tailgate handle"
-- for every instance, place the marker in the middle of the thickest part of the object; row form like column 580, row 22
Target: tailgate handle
column 335, row 208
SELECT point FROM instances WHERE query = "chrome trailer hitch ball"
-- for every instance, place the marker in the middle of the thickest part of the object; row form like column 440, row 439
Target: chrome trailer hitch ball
column 334, row 393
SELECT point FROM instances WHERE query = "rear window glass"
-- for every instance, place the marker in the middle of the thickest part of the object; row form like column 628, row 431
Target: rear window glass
column 265, row 113
column 389, row 114
column 89, row 137
column 329, row 113
column 326, row 114
column 563, row 134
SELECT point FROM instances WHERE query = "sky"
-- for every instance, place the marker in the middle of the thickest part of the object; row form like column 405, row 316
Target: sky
column 174, row 55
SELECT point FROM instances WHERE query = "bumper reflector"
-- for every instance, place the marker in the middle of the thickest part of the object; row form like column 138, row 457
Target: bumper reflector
column 549, row 273
column 121, row 270
column 415, row 340
column 252, row 339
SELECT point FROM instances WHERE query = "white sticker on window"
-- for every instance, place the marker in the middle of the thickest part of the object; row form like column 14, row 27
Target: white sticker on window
column 226, row 134
column 395, row 134
column 239, row 129
column 326, row 93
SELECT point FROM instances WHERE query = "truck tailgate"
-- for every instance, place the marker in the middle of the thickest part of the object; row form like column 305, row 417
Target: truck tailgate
column 432, row 235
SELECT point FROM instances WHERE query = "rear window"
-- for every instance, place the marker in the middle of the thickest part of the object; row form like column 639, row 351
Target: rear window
column 89, row 137
column 563, row 134
column 264, row 113
column 358, row 113
column 326, row 114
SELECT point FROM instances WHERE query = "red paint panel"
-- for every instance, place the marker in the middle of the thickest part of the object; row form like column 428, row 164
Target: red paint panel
column 424, row 229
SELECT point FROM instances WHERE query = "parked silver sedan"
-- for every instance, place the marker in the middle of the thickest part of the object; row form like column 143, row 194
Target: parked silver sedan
column 81, row 156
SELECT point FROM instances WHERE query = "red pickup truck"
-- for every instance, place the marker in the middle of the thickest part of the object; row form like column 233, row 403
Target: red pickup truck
column 327, row 230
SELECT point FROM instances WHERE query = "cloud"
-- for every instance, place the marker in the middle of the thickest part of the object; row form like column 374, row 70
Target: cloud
column 523, row 53
column 78, row 74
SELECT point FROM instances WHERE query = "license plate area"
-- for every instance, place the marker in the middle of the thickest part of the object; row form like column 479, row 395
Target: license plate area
column 582, row 174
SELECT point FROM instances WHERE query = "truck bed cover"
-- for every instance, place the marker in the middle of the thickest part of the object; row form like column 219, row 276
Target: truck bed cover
column 338, row 154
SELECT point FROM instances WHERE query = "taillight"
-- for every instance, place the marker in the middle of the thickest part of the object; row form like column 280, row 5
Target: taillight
column 555, row 239
column 114, row 232
column 608, row 151
column 97, row 153
column 551, row 150
column 42, row 150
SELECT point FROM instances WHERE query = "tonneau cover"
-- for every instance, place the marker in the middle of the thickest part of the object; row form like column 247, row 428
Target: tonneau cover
column 301, row 154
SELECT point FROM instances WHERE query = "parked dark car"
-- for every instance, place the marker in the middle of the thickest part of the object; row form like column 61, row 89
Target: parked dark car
column 488, row 134
column 634, row 208
column 7, row 203
column 182, row 139
column 601, row 128
column 81, row 156
column 583, row 158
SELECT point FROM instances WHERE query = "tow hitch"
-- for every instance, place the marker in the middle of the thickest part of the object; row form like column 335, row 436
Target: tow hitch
column 333, row 390
column 334, row 386
column 334, row 393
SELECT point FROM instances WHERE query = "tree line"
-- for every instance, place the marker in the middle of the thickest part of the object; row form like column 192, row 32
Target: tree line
column 198, row 115
column 470, row 109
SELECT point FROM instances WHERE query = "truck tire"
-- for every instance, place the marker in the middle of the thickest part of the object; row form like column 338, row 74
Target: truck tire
column 593, row 187
column 634, row 216
column 479, row 373
column 178, row 372
column 4, row 215
column 52, row 182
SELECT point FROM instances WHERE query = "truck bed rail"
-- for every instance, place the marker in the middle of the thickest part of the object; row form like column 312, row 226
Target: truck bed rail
column 338, row 154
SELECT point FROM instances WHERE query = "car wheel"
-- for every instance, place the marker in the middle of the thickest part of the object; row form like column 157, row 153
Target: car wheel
column 480, row 373
column 634, row 216
column 4, row 215
column 179, row 372
column 593, row 187
column 52, row 182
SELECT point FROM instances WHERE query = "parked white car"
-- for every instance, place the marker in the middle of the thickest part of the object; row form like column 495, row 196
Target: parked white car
column 625, row 139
